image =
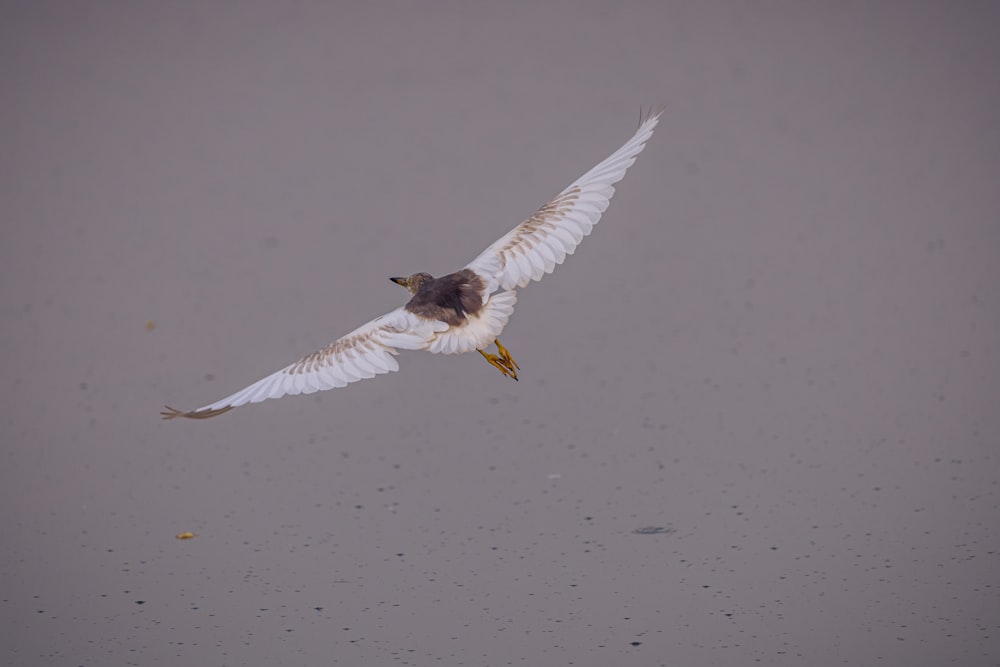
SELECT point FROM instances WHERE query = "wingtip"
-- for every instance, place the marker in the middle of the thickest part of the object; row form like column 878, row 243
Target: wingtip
column 170, row 413
column 651, row 115
column 173, row 413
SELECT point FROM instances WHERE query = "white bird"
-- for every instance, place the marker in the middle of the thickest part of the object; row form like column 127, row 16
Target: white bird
column 460, row 312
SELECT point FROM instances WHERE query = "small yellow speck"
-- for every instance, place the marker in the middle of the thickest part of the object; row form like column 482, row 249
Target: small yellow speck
column 186, row 535
column 150, row 325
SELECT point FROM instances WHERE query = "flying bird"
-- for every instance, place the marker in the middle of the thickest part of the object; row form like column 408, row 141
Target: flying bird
column 462, row 311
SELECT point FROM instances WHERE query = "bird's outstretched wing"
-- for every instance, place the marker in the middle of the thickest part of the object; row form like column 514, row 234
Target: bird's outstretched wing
column 538, row 244
column 364, row 353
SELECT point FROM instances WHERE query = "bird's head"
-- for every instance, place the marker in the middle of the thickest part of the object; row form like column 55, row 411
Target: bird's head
column 413, row 283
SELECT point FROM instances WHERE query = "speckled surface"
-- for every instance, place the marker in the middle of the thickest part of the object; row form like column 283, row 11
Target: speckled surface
column 757, row 420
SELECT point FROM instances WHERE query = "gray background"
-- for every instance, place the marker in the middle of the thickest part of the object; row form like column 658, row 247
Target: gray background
column 780, row 345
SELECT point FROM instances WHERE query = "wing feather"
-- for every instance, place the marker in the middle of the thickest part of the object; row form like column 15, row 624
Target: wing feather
column 364, row 353
column 546, row 254
column 521, row 255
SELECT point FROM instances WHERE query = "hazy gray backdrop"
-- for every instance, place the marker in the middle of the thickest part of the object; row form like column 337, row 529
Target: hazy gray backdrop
column 758, row 416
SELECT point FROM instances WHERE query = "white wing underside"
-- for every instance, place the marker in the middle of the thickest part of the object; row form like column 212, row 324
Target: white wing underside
column 540, row 243
column 370, row 350
column 526, row 253
column 364, row 353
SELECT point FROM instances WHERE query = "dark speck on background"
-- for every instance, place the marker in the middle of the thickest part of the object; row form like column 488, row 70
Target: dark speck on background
column 655, row 530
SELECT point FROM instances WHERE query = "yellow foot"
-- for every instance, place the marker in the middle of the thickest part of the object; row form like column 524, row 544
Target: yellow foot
column 502, row 362
column 508, row 360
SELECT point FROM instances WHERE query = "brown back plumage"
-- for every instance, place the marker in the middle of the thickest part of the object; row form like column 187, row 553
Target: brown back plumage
column 450, row 298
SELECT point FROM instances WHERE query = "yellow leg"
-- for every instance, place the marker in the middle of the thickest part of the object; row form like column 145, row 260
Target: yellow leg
column 507, row 359
column 502, row 362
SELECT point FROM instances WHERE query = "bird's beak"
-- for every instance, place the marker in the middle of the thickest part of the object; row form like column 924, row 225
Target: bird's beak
column 400, row 281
